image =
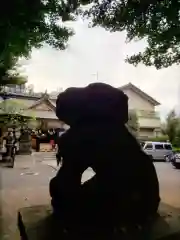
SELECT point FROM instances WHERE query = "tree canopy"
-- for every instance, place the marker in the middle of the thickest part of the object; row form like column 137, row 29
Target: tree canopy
column 25, row 25
column 156, row 21
column 13, row 112
column 28, row 24
column 172, row 128
column 172, row 124
column 9, row 74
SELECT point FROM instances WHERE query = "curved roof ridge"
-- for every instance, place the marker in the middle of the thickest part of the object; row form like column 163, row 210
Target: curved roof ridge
column 140, row 92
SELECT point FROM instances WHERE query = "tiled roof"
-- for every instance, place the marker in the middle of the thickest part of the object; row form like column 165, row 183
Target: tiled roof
column 40, row 114
column 140, row 92
column 45, row 99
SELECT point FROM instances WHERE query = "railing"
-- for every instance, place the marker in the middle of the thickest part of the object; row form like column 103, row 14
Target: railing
column 22, row 93
column 27, row 94
column 147, row 114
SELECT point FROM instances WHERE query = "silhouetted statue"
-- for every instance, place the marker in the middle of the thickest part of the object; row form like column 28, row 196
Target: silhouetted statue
column 125, row 189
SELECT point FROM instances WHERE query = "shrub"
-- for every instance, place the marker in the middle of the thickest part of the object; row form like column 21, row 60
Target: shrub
column 176, row 149
column 163, row 138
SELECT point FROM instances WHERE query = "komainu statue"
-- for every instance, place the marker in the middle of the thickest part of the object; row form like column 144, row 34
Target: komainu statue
column 124, row 192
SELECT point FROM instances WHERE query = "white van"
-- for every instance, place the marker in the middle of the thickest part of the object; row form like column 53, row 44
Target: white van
column 157, row 150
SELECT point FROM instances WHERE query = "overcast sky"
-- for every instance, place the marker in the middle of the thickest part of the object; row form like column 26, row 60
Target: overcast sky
column 96, row 50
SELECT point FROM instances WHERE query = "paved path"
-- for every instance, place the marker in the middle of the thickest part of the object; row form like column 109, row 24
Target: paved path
column 169, row 179
column 25, row 185
column 47, row 158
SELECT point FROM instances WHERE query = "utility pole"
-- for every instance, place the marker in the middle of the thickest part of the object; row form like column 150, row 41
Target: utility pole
column 97, row 76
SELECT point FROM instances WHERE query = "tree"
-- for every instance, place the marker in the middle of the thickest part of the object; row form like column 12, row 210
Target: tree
column 25, row 25
column 133, row 124
column 30, row 89
column 156, row 21
column 28, row 24
column 164, row 128
column 12, row 114
column 176, row 141
column 172, row 124
column 9, row 73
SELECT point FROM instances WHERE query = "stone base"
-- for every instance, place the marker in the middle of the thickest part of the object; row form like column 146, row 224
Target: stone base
column 36, row 223
column 25, row 148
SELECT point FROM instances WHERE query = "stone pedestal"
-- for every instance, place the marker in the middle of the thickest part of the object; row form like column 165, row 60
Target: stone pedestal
column 36, row 223
column 25, row 147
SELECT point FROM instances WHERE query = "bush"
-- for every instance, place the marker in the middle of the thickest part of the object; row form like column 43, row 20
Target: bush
column 176, row 149
column 163, row 138
column 176, row 142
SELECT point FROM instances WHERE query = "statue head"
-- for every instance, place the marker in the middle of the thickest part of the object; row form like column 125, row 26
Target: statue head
column 96, row 101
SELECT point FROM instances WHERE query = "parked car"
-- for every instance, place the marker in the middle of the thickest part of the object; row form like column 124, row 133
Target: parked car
column 169, row 157
column 175, row 160
column 158, row 150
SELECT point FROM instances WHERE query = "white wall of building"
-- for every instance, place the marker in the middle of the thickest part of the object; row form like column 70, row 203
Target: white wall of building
column 137, row 102
column 149, row 120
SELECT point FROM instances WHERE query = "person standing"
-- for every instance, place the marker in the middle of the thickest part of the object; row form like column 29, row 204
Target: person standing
column 52, row 139
column 15, row 140
column 58, row 154
column 9, row 154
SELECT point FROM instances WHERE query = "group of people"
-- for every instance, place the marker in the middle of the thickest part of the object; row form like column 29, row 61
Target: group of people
column 124, row 192
column 50, row 136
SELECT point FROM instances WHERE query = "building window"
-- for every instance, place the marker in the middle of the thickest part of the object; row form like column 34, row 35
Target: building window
column 167, row 146
column 159, row 146
column 149, row 146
